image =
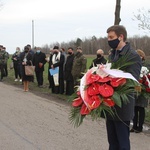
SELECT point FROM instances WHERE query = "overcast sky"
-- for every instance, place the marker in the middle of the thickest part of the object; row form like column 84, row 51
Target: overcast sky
column 62, row 20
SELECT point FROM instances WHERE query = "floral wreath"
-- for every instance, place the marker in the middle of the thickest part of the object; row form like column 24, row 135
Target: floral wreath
column 100, row 89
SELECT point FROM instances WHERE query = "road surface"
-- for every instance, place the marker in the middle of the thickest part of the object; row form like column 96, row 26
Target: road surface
column 31, row 122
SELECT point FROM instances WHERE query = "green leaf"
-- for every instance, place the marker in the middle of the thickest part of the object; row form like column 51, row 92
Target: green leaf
column 116, row 98
column 75, row 117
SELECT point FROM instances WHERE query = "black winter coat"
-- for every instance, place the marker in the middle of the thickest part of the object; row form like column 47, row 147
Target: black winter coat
column 68, row 68
column 126, row 112
column 96, row 61
column 39, row 58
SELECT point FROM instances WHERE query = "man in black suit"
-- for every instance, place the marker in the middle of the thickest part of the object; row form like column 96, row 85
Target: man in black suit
column 118, row 126
column 68, row 74
column 39, row 60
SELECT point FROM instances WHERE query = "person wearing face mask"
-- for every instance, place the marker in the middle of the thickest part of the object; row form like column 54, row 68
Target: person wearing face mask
column 39, row 60
column 26, row 60
column 57, row 80
column 140, row 104
column 79, row 66
column 16, row 64
column 99, row 60
column 118, row 126
column 67, row 72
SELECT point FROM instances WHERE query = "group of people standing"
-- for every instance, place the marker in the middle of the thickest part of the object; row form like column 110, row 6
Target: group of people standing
column 70, row 70
column 27, row 58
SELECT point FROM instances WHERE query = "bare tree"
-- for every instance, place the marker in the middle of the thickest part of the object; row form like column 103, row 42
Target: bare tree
column 143, row 17
column 117, row 12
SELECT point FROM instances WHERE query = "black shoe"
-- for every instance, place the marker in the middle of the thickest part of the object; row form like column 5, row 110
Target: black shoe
column 132, row 130
column 138, row 131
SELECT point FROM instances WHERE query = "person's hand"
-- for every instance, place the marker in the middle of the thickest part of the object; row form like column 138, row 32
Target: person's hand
column 52, row 66
column 40, row 65
column 23, row 63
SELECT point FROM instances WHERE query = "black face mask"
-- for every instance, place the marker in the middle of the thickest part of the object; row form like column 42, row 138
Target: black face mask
column 114, row 43
column 99, row 55
column 26, row 51
column 69, row 53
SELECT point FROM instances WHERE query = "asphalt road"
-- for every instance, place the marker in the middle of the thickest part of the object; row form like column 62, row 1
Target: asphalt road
column 31, row 122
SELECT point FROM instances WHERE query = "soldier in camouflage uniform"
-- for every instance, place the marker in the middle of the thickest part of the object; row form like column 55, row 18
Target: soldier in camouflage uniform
column 6, row 57
column 79, row 66
column 2, row 60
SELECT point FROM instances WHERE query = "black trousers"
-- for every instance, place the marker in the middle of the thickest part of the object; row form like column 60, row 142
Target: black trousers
column 139, row 117
column 17, row 70
column 6, row 70
column 39, row 77
column 69, row 87
column 2, row 70
column 118, row 135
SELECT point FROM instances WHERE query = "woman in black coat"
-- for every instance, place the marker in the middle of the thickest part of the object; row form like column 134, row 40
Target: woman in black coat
column 26, row 60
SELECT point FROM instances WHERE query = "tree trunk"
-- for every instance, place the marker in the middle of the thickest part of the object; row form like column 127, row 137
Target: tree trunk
column 117, row 12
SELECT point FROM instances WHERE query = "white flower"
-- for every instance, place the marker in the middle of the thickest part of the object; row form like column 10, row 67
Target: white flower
column 144, row 71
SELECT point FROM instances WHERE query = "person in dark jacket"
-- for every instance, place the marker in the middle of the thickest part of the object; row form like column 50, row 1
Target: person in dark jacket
column 26, row 60
column 68, row 75
column 118, row 126
column 39, row 60
column 57, row 80
column 16, row 64
column 140, row 104
column 99, row 60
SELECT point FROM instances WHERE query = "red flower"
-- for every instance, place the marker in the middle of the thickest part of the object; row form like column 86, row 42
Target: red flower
column 93, row 89
column 105, row 79
column 141, row 81
column 109, row 102
column 92, row 78
column 94, row 102
column 147, row 89
column 144, row 78
column 115, row 82
column 77, row 102
column 84, row 110
column 146, row 83
column 106, row 90
column 148, row 76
